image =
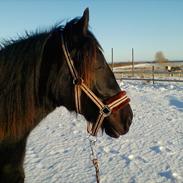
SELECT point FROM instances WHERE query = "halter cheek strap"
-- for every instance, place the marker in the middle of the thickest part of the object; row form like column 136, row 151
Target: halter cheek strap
column 105, row 108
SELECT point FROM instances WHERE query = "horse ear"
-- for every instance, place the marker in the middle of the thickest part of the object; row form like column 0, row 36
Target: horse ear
column 84, row 20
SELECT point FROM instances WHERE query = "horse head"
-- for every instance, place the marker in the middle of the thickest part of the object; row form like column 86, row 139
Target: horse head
column 76, row 55
column 86, row 54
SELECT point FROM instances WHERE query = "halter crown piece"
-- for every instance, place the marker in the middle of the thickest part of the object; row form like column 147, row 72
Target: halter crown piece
column 105, row 109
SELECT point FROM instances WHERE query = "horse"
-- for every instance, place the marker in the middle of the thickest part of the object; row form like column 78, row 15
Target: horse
column 62, row 66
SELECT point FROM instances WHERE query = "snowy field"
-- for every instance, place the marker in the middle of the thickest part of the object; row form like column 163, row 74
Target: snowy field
column 152, row 152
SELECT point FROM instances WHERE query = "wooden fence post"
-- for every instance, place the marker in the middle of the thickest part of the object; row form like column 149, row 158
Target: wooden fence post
column 112, row 59
column 132, row 62
column 153, row 73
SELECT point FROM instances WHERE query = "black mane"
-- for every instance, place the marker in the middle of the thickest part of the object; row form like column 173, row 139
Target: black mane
column 28, row 67
column 20, row 65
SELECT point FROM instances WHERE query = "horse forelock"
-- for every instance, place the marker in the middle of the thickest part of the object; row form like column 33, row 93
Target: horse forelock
column 85, row 47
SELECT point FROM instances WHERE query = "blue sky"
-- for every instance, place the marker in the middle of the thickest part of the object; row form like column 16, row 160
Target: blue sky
column 147, row 26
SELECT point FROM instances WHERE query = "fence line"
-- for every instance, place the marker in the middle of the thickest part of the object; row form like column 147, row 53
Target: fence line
column 153, row 71
column 149, row 75
column 150, row 79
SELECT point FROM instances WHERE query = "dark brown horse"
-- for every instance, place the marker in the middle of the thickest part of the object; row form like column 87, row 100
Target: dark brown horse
column 35, row 78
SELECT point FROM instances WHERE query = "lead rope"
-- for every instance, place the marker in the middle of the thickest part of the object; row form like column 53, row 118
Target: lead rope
column 93, row 157
column 105, row 110
column 77, row 92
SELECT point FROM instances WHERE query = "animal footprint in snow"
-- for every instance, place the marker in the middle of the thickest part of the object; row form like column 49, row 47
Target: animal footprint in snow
column 157, row 149
column 160, row 148
column 128, row 159
column 114, row 151
column 169, row 175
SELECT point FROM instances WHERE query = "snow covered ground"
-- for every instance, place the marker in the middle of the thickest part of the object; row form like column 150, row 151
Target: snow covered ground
column 152, row 152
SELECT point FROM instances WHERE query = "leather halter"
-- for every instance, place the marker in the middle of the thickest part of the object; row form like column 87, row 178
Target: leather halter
column 105, row 108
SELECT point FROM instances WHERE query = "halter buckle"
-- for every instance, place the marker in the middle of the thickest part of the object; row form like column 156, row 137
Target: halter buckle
column 77, row 81
column 106, row 111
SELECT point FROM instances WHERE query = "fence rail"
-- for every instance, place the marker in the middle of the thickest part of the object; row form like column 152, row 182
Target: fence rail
column 150, row 75
column 151, row 79
column 149, row 72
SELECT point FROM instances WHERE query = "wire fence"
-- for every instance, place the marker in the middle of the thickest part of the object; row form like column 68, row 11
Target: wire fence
column 150, row 75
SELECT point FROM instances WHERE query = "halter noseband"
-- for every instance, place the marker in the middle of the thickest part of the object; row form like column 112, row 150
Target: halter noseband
column 105, row 108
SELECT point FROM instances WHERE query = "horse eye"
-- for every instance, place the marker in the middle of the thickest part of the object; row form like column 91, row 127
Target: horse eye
column 100, row 67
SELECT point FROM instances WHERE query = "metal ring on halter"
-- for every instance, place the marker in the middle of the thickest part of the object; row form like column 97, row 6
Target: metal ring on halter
column 78, row 81
column 106, row 111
